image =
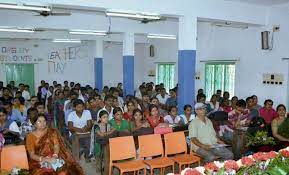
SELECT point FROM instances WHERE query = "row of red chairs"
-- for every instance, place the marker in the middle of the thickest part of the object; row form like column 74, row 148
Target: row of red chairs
column 173, row 152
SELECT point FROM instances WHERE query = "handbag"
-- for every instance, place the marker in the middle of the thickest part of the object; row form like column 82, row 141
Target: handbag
column 162, row 130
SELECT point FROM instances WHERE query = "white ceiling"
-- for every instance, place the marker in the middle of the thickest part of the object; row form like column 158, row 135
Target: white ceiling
column 263, row 2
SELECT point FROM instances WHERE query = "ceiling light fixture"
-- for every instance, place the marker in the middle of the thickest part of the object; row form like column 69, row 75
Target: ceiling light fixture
column 24, row 7
column 161, row 36
column 87, row 32
column 130, row 14
column 20, row 30
column 67, row 41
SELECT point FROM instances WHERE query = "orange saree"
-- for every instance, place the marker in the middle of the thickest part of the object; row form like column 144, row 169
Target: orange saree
column 44, row 146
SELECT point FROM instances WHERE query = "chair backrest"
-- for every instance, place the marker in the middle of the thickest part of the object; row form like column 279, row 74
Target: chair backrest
column 14, row 156
column 175, row 143
column 121, row 148
column 150, row 145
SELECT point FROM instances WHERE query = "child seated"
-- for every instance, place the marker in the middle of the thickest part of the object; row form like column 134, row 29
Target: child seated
column 100, row 133
column 173, row 117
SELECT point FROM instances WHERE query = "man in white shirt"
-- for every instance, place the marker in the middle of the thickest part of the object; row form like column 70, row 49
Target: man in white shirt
column 80, row 121
column 108, row 100
column 163, row 96
column 204, row 139
column 25, row 93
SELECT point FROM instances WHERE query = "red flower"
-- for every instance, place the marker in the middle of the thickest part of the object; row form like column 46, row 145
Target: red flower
column 231, row 165
column 192, row 172
column 211, row 166
column 271, row 154
column 260, row 156
column 247, row 161
column 285, row 153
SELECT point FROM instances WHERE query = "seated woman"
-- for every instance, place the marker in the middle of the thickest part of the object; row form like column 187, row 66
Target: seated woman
column 129, row 114
column 100, row 133
column 9, row 128
column 188, row 115
column 173, row 118
column 139, row 125
column 154, row 119
column 45, row 146
column 18, row 106
column 118, row 123
column 280, row 127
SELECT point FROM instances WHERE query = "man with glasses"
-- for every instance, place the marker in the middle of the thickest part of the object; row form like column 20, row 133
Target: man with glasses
column 267, row 112
column 204, row 138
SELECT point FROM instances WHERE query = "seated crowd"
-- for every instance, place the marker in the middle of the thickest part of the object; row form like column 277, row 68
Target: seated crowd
column 63, row 110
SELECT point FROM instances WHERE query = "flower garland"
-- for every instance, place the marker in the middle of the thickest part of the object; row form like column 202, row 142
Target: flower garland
column 273, row 163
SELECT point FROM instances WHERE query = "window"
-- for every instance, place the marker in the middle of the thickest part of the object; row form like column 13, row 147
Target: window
column 219, row 76
column 166, row 75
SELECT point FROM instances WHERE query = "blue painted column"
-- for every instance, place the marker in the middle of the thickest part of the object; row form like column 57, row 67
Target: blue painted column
column 128, row 64
column 186, row 61
column 98, row 66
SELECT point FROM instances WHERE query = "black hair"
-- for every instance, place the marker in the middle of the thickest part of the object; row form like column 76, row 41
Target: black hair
column 31, row 110
column 78, row 102
column 19, row 92
column 154, row 98
column 152, row 106
column 136, row 111
column 39, row 104
column 279, row 106
column 268, row 100
column 172, row 107
column 90, row 98
column 199, row 96
column 108, row 97
column 241, row 103
column 187, row 106
column 116, row 110
column 101, row 113
column 249, row 98
column 34, row 119
column 73, row 93
column 3, row 110
column 97, row 95
column 5, row 103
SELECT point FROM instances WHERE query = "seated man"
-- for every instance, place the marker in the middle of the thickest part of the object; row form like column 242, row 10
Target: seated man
column 13, row 114
column 80, row 121
column 204, row 139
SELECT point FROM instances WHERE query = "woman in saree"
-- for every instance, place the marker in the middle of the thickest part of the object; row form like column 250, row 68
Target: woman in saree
column 280, row 127
column 45, row 145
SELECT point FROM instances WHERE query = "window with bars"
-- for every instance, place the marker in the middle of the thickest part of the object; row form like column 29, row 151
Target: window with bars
column 219, row 76
column 166, row 75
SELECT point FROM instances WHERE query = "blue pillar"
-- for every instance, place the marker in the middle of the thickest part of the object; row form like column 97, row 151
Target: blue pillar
column 186, row 78
column 128, row 75
column 98, row 73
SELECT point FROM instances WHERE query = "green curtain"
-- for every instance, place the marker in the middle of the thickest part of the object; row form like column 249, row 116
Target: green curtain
column 219, row 76
column 166, row 75
column 21, row 73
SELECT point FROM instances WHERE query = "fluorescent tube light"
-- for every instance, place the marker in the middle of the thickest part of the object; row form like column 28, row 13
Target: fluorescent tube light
column 161, row 36
column 129, row 14
column 67, row 41
column 16, row 30
column 24, row 7
column 87, row 32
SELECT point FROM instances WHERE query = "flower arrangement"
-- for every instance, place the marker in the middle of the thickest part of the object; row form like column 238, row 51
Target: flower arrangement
column 273, row 163
column 259, row 139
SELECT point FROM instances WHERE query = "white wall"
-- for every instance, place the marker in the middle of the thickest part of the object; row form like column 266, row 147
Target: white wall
column 72, row 62
column 215, row 43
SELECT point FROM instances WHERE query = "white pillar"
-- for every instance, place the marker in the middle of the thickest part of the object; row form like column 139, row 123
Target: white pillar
column 128, row 64
column 187, row 61
column 128, row 44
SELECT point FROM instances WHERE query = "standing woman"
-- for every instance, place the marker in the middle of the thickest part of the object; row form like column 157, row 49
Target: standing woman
column 45, row 145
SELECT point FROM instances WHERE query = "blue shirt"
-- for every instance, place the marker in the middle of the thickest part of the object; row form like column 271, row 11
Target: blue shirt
column 171, row 102
column 15, row 115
